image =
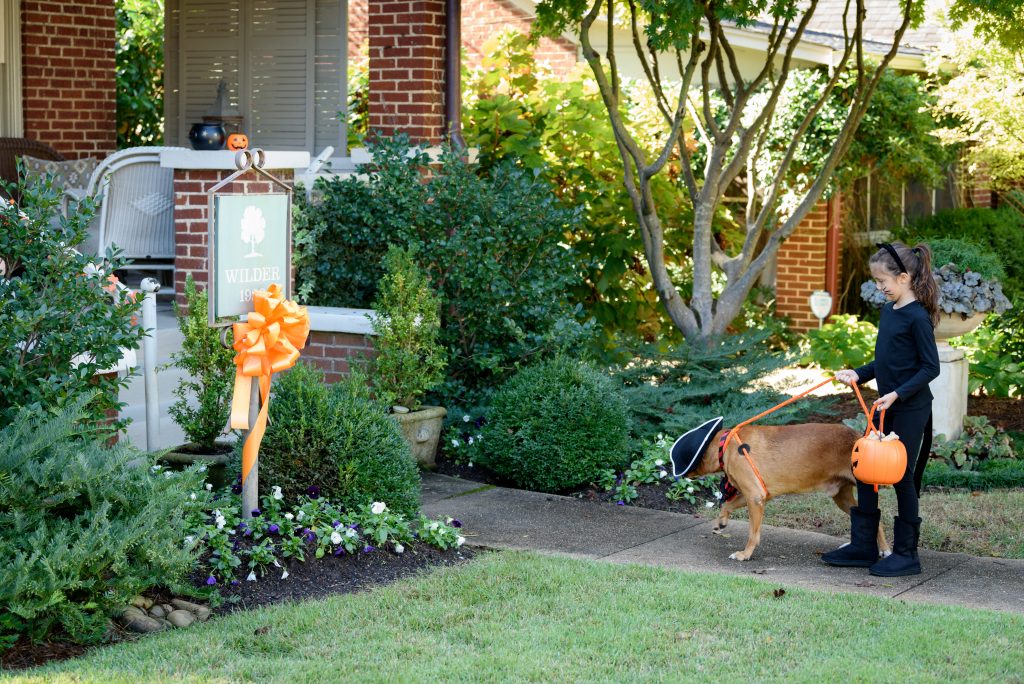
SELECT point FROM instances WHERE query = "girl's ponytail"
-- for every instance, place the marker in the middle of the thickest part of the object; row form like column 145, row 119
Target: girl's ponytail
column 922, row 281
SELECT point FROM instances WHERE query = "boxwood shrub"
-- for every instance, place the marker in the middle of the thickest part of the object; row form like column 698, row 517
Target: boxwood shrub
column 553, row 426
column 336, row 438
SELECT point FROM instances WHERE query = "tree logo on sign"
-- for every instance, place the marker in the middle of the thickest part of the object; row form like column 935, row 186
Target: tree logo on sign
column 254, row 228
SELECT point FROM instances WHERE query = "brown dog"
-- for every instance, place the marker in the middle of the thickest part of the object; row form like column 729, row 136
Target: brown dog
column 791, row 459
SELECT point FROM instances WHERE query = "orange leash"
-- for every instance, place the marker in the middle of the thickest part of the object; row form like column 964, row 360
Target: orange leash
column 746, row 452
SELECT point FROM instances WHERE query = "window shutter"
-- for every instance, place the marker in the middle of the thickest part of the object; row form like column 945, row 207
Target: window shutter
column 11, row 120
column 210, row 36
column 331, row 75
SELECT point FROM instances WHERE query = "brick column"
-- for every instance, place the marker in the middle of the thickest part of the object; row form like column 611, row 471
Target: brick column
column 407, row 68
column 68, row 88
column 191, row 226
column 801, row 268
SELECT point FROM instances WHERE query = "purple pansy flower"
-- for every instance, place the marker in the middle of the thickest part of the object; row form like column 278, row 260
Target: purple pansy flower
column 236, row 489
column 456, row 523
column 256, row 513
column 368, row 548
column 234, row 583
column 340, row 551
column 273, row 529
column 313, row 492
column 211, row 580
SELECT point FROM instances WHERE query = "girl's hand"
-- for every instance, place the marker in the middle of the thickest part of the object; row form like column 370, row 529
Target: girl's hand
column 848, row 377
column 886, row 401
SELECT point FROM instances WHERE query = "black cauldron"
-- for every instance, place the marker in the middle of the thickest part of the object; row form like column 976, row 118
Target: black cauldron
column 207, row 136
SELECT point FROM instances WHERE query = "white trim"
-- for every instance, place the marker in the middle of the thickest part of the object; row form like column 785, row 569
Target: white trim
column 341, row 320
column 183, row 158
column 12, row 122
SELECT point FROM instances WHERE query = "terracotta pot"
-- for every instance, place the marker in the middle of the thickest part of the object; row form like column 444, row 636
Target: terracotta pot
column 422, row 430
column 954, row 325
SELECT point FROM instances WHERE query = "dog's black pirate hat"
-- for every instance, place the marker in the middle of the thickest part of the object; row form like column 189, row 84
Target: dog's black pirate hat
column 688, row 449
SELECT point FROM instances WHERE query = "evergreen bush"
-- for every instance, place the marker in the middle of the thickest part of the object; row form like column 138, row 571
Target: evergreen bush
column 209, row 371
column 409, row 359
column 672, row 391
column 62, row 317
column 555, row 426
column 337, row 438
column 83, row 527
column 492, row 245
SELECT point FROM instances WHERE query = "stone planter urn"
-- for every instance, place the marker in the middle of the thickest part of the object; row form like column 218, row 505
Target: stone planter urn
column 422, row 430
column 955, row 325
column 949, row 390
column 215, row 460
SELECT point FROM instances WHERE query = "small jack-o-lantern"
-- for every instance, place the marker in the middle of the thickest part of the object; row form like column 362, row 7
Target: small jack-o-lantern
column 238, row 141
column 878, row 461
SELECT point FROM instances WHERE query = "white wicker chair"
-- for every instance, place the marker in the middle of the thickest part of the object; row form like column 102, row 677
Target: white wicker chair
column 136, row 208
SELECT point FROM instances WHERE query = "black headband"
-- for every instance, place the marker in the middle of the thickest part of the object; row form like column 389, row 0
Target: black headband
column 892, row 250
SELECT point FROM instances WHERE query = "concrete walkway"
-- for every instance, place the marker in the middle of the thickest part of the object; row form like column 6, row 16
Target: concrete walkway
column 500, row 518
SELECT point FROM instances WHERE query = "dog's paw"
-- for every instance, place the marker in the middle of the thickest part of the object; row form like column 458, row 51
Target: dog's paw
column 884, row 554
column 740, row 556
column 719, row 526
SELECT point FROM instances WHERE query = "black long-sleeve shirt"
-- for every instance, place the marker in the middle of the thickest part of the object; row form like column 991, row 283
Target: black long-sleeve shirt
column 906, row 358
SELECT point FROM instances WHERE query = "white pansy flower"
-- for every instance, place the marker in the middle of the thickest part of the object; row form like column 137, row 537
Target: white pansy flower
column 399, row 548
column 302, row 514
column 276, row 564
column 479, row 437
column 460, row 540
column 335, row 537
column 718, row 495
column 465, row 418
column 251, row 577
column 378, row 507
column 659, row 462
column 192, row 496
column 284, row 575
column 709, row 504
column 432, row 526
column 470, row 464
column 275, row 491
column 350, row 533
column 661, row 473
column 219, row 519
column 455, row 443
column 288, row 516
column 689, row 490
column 209, row 487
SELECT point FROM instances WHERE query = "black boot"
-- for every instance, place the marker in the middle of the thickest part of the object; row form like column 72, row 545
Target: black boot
column 903, row 560
column 862, row 551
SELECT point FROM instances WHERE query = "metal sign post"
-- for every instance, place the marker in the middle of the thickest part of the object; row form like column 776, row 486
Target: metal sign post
column 249, row 245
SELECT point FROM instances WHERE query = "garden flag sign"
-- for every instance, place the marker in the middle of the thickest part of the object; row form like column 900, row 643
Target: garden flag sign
column 267, row 343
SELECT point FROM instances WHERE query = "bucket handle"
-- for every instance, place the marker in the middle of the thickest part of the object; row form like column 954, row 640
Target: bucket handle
column 869, row 413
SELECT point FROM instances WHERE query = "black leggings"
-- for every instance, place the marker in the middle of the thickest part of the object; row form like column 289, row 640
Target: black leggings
column 910, row 425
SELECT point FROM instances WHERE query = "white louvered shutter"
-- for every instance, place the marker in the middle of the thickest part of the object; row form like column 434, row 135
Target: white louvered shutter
column 211, row 40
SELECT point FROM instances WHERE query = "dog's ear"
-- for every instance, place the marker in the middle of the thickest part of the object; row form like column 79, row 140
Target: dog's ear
column 687, row 451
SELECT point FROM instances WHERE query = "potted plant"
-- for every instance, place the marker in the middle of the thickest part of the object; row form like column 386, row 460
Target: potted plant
column 410, row 360
column 968, row 277
column 204, row 392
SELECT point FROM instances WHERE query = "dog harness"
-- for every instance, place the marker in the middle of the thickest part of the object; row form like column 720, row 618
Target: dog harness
column 724, row 486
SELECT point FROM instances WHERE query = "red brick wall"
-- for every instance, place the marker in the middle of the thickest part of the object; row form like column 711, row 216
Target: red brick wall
column 483, row 19
column 190, row 219
column 407, row 68
column 69, row 95
column 358, row 30
column 331, row 352
column 801, row 269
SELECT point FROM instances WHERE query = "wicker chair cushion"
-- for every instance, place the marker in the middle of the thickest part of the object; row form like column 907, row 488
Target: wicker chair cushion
column 66, row 174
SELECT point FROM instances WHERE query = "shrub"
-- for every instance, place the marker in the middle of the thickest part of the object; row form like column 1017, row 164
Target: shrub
column 979, row 442
column 672, row 391
column 337, row 438
column 62, row 319
column 997, row 354
column 83, row 527
column 409, row 358
column 209, row 372
column 997, row 473
column 490, row 244
column 998, row 230
column 555, row 426
column 843, row 342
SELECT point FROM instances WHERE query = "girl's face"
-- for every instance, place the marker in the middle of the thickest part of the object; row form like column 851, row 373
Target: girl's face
column 895, row 287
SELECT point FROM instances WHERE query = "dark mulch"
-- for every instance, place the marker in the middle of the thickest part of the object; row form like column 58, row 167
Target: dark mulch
column 310, row 580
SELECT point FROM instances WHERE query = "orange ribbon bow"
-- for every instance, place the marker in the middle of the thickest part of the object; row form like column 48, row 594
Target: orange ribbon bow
column 268, row 343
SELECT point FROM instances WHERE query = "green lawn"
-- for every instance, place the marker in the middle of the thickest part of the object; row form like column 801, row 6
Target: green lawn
column 524, row 617
column 985, row 523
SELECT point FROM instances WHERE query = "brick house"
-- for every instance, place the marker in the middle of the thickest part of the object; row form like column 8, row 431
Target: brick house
column 284, row 65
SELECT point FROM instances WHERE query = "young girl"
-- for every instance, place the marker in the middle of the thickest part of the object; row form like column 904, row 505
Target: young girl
column 906, row 360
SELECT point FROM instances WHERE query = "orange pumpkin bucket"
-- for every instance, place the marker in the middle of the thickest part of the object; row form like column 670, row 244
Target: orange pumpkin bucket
column 877, row 461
